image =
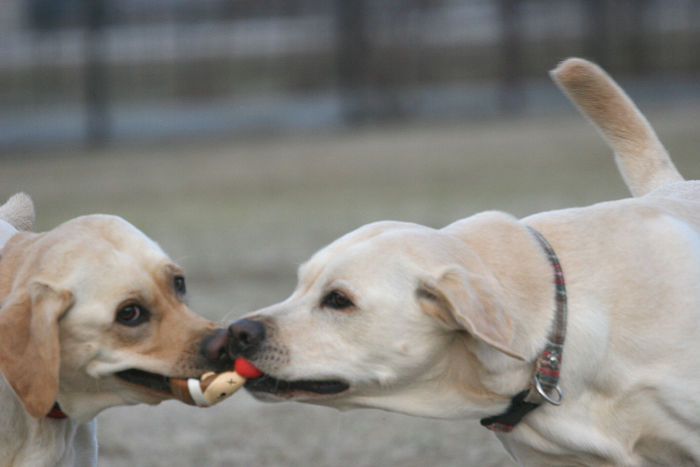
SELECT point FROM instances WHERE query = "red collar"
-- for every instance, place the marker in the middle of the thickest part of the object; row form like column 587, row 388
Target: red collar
column 56, row 412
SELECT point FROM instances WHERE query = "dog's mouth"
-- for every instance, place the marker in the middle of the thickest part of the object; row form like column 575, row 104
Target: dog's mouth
column 288, row 389
column 263, row 384
column 148, row 380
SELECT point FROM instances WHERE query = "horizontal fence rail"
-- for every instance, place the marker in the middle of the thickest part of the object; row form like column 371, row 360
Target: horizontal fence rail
column 101, row 70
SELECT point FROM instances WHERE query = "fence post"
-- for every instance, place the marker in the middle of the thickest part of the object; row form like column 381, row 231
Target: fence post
column 638, row 47
column 512, row 92
column 598, row 34
column 96, row 93
column 352, row 57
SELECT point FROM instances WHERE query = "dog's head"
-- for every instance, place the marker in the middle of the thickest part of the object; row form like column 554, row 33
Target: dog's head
column 93, row 316
column 393, row 315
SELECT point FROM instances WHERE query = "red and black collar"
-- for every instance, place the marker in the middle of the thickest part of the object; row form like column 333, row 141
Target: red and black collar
column 56, row 413
column 548, row 365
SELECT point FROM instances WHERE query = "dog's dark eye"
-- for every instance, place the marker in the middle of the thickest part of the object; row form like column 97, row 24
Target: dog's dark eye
column 179, row 284
column 132, row 315
column 336, row 301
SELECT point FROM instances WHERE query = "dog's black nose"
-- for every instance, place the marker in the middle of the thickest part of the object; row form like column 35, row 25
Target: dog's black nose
column 215, row 346
column 245, row 336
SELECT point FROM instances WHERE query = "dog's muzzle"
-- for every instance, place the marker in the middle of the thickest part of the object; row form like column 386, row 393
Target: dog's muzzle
column 247, row 338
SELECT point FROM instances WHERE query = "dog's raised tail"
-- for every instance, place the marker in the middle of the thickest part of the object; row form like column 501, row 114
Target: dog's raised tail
column 641, row 158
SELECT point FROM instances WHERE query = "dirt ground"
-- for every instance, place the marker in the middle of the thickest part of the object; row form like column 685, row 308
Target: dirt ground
column 241, row 215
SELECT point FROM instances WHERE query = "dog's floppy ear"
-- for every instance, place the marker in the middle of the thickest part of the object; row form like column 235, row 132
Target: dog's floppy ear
column 29, row 347
column 464, row 300
column 18, row 211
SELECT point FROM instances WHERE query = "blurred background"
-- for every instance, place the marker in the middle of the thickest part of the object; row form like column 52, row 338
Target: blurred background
column 245, row 135
column 96, row 71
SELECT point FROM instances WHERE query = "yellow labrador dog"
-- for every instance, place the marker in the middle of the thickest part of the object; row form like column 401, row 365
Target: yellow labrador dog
column 573, row 334
column 92, row 317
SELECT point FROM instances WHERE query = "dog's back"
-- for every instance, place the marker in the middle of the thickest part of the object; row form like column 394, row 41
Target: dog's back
column 650, row 309
column 644, row 163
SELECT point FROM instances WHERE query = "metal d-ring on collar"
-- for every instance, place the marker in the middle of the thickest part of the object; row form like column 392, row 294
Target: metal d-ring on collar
column 548, row 364
column 540, row 391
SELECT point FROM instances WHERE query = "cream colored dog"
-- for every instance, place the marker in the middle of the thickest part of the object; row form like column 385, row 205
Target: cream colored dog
column 92, row 317
column 470, row 321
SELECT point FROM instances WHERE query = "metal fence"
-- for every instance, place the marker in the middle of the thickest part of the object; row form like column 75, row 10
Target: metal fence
column 103, row 70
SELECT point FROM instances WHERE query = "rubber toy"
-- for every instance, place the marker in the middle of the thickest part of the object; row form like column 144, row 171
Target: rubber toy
column 211, row 388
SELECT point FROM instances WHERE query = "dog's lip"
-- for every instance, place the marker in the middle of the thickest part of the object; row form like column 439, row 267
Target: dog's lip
column 279, row 387
column 146, row 379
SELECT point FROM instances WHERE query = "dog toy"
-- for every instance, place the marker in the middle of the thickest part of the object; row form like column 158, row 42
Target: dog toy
column 211, row 388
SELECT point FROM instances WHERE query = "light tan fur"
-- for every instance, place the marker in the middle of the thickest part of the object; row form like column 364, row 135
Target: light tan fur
column 18, row 211
column 61, row 341
column 448, row 323
column 16, row 214
column 640, row 156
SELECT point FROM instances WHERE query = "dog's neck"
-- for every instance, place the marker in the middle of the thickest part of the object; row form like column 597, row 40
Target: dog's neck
column 22, row 435
column 523, row 280
column 545, row 386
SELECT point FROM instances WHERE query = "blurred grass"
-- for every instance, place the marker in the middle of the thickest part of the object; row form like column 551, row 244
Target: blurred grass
column 241, row 215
